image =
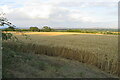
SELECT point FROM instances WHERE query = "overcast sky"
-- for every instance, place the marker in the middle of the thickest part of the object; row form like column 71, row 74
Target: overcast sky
column 61, row 13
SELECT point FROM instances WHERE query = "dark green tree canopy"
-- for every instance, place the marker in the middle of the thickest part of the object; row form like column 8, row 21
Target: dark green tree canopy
column 10, row 29
column 34, row 29
column 47, row 29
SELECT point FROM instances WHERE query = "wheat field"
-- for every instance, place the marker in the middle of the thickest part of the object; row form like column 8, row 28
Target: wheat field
column 98, row 50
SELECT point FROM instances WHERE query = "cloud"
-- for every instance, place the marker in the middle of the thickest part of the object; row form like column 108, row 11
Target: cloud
column 37, row 11
column 61, row 13
column 85, row 18
column 6, row 9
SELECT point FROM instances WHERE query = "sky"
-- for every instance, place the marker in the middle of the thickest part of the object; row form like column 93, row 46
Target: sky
column 61, row 13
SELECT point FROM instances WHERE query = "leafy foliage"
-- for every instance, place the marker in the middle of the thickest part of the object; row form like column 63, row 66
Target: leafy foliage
column 34, row 29
column 47, row 29
column 9, row 36
column 9, row 29
column 6, row 36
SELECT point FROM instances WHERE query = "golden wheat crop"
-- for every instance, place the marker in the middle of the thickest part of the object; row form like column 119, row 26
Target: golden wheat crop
column 98, row 50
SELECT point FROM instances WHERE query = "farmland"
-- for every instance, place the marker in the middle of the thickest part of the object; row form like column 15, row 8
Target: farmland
column 59, row 39
column 30, row 65
column 100, row 51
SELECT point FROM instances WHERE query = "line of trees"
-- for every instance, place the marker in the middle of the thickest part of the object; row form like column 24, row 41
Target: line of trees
column 32, row 29
column 92, row 31
column 49, row 29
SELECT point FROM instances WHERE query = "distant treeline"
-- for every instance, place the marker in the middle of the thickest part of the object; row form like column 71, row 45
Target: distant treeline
column 93, row 31
column 31, row 29
column 49, row 29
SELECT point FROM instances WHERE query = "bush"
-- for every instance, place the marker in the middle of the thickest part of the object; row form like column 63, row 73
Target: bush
column 34, row 29
column 47, row 29
column 6, row 36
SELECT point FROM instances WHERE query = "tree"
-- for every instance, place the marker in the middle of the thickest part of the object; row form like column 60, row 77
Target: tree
column 4, row 21
column 6, row 36
column 47, row 29
column 10, row 29
column 34, row 29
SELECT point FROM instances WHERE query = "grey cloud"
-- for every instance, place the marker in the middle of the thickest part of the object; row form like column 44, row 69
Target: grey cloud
column 59, row 18
column 88, row 4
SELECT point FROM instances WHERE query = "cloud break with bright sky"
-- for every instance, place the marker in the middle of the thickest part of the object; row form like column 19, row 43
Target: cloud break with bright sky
column 61, row 13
